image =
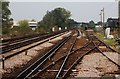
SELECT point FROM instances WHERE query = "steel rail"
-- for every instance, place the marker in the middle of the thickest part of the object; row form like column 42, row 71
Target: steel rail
column 57, row 61
column 25, row 37
column 27, row 42
column 96, row 47
column 64, row 62
column 27, row 72
column 51, row 64
column 34, row 71
column 101, row 42
column 108, row 58
column 21, row 44
column 16, row 53
column 69, row 69
column 18, row 39
column 65, row 57
column 104, row 54
column 11, row 55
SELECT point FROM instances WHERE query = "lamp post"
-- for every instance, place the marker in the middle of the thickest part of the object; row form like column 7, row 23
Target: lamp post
column 103, row 19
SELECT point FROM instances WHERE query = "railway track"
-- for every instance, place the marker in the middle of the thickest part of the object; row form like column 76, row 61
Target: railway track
column 25, row 41
column 60, row 62
column 93, row 40
column 53, row 54
column 10, row 54
column 19, row 39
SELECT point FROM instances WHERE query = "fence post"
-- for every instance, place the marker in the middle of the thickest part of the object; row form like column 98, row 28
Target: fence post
column 25, row 52
column 3, row 62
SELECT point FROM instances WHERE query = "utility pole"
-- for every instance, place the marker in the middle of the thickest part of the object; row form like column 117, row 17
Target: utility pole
column 103, row 17
column 103, row 20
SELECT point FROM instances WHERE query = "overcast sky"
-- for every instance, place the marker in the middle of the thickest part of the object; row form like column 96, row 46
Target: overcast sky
column 81, row 11
column 63, row 0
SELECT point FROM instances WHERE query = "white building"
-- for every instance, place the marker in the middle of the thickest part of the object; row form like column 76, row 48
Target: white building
column 32, row 24
column 15, row 24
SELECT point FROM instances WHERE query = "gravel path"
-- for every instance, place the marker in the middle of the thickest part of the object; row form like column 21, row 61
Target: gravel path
column 96, row 65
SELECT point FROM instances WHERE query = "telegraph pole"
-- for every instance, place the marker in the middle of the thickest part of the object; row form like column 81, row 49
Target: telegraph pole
column 103, row 19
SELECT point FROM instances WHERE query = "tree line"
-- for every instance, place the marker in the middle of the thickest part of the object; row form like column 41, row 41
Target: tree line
column 6, row 20
column 57, row 18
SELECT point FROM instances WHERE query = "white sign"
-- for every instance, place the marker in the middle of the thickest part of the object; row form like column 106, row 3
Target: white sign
column 59, row 28
column 53, row 29
column 65, row 28
column 107, row 31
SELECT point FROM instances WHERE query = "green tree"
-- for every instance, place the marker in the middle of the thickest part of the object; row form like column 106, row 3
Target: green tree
column 6, row 20
column 71, row 23
column 61, row 16
column 55, row 18
column 99, row 23
column 0, row 17
column 24, row 28
column 91, row 24
column 41, row 27
column 48, row 21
